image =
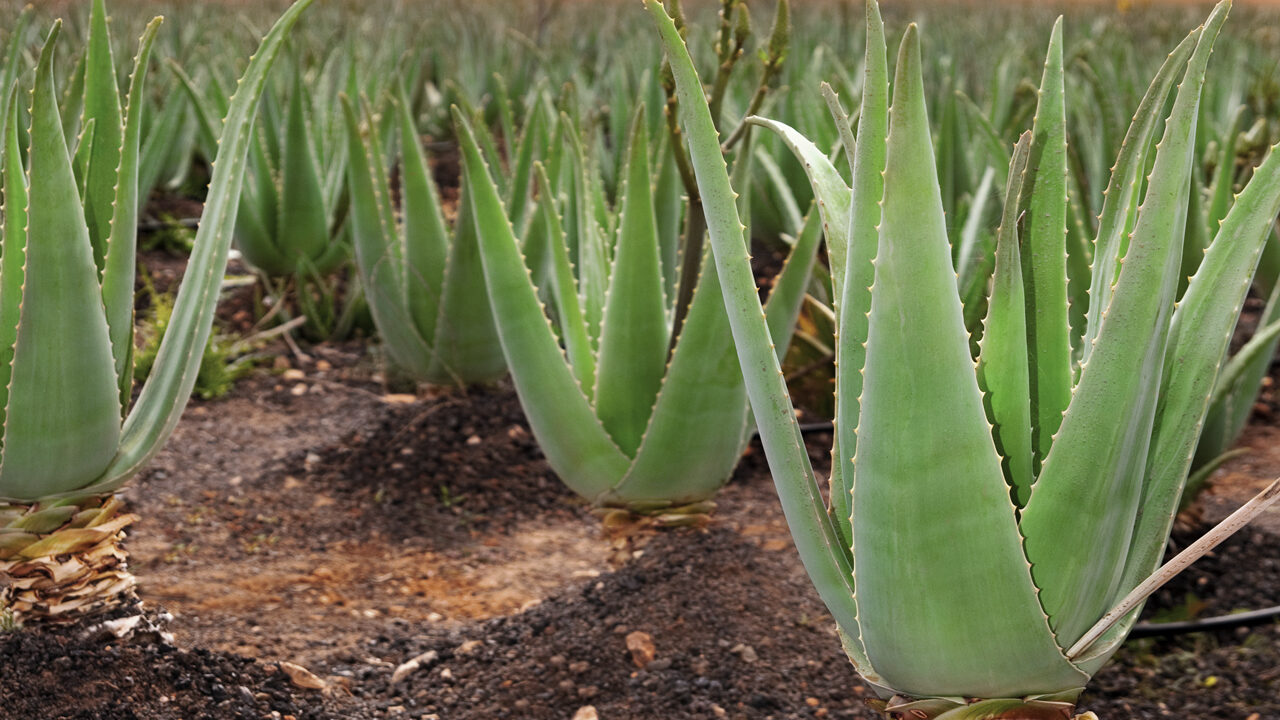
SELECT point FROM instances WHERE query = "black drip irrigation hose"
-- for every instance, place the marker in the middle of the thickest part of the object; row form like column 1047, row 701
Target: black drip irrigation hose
column 1220, row 622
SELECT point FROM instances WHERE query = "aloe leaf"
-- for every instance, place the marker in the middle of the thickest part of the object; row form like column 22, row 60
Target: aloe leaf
column 559, row 414
column 178, row 360
column 1086, row 489
column 564, row 291
column 13, row 61
column 1003, row 367
column 518, row 192
column 426, row 239
column 694, row 438
column 101, row 104
column 833, row 196
column 73, row 100
column 1199, row 338
column 1198, row 549
column 826, row 560
column 13, row 247
column 633, row 336
column 167, row 137
column 1123, row 190
column 782, row 308
column 1221, row 192
column 1044, row 263
column 203, row 110
column 1195, row 234
column 302, row 220
column 63, row 417
column 925, row 452
column 1238, row 385
column 466, row 341
column 122, row 244
column 854, row 298
column 784, row 199
column 379, row 260
column 967, row 264
column 592, row 258
column 82, row 158
column 669, row 206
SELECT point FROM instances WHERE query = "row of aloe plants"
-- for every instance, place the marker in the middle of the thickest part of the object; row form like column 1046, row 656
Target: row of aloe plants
column 964, row 448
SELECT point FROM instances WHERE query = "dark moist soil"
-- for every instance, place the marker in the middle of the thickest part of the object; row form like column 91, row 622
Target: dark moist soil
column 52, row 676
column 710, row 602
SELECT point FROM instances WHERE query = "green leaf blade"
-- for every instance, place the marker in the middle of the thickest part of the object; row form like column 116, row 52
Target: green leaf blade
column 633, row 336
column 63, row 418
column 1087, row 489
column 931, row 510
column 1044, row 263
column 1003, row 366
column 177, row 363
column 567, row 429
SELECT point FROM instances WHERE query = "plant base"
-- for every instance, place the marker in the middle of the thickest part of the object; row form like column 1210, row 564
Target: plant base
column 899, row 707
column 65, row 562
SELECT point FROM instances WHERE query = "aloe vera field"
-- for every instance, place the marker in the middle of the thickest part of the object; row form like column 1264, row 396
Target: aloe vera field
column 643, row 360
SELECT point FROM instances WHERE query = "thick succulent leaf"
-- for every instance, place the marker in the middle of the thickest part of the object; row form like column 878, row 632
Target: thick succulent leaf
column 122, row 245
column 1237, row 387
column 379, row 257
column 1003, row 367
column 203, row 110
column 925, row 453
column 703, row 397
column 575, row 443
column 634, row 334
column 694, row 439
column 82, row 158
column 426, row 239
column 782, row 308
column 178, row 360
column 563, row 290
column 826, row 560
column 1044, row 261
column 527, row 151
column 1088, row 489
column 1079, row 273
column 101, row 104
column 1198, row 342
column 258, row 218
column 302, row 223
column 1222, row 192
column 1123, row 190
column 170, row 141
column 1195, row 233
column 13, row 247
column 669, row 205
column 854, row 298
column 968, row 264
column 13, row 55
column 592, row 259
column 790, row 217
column 466, row 341
column 829, row 190
column 63, row 418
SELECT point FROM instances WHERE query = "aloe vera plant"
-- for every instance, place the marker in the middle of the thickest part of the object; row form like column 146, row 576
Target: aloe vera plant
column 994, row 525
column 425, row 287
column 620, row 424
column 67, row 340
